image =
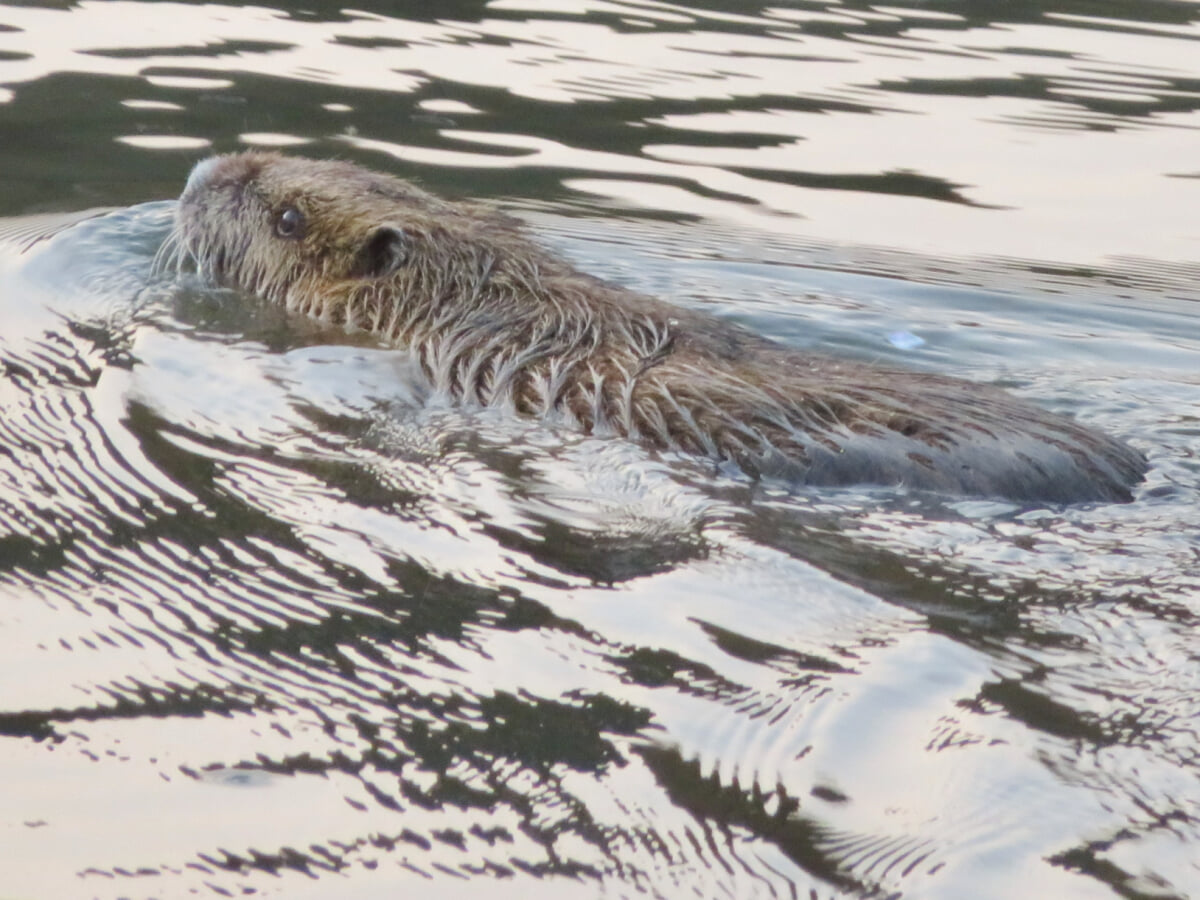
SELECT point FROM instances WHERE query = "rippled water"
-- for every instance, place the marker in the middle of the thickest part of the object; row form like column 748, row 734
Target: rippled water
column 274, row 623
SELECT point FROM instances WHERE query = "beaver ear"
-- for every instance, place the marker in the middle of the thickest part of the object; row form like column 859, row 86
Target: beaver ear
column 385, row 251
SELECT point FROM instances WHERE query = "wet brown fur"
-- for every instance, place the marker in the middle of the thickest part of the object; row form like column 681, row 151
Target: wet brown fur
column 497, row 319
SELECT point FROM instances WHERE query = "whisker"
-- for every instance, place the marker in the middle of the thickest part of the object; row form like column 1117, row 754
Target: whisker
column 169, row 255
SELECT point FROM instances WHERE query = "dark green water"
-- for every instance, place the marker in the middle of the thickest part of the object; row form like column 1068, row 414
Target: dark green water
column 272, row 623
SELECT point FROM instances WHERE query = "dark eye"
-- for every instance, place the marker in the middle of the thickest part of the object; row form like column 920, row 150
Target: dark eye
column 289, row 223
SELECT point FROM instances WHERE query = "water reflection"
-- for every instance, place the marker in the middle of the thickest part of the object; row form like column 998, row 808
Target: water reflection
column 484, row 648
column 1055, row 129
column 257, row 586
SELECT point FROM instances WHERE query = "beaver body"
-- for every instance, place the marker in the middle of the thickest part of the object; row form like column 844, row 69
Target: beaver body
column 497, row 319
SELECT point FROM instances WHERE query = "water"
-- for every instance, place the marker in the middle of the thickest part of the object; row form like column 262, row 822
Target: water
column 274, row 623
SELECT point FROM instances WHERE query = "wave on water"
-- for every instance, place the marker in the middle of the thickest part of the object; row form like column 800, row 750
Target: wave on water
column 241, row 553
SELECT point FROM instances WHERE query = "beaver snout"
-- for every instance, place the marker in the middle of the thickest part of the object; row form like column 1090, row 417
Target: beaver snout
column 200, row 176
column 218, row 173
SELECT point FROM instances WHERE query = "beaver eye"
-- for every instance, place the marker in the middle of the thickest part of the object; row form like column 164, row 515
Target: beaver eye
column 289, row 223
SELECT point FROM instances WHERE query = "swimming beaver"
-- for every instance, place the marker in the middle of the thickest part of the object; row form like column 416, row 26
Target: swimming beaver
column 495, row 318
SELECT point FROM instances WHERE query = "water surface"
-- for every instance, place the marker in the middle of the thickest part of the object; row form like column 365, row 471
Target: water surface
column 274, row 622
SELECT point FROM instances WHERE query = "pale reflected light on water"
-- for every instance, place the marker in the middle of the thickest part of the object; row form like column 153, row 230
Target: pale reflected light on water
column 1042, row 129
column 276, row 622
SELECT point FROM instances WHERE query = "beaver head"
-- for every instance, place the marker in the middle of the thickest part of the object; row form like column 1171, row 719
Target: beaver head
column 327, row 238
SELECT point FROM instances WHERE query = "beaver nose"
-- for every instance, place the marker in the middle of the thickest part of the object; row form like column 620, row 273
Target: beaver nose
column 221, row 171
column 200, row 174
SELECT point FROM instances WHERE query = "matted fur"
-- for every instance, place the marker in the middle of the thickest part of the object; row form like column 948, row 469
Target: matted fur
column 497, row 319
